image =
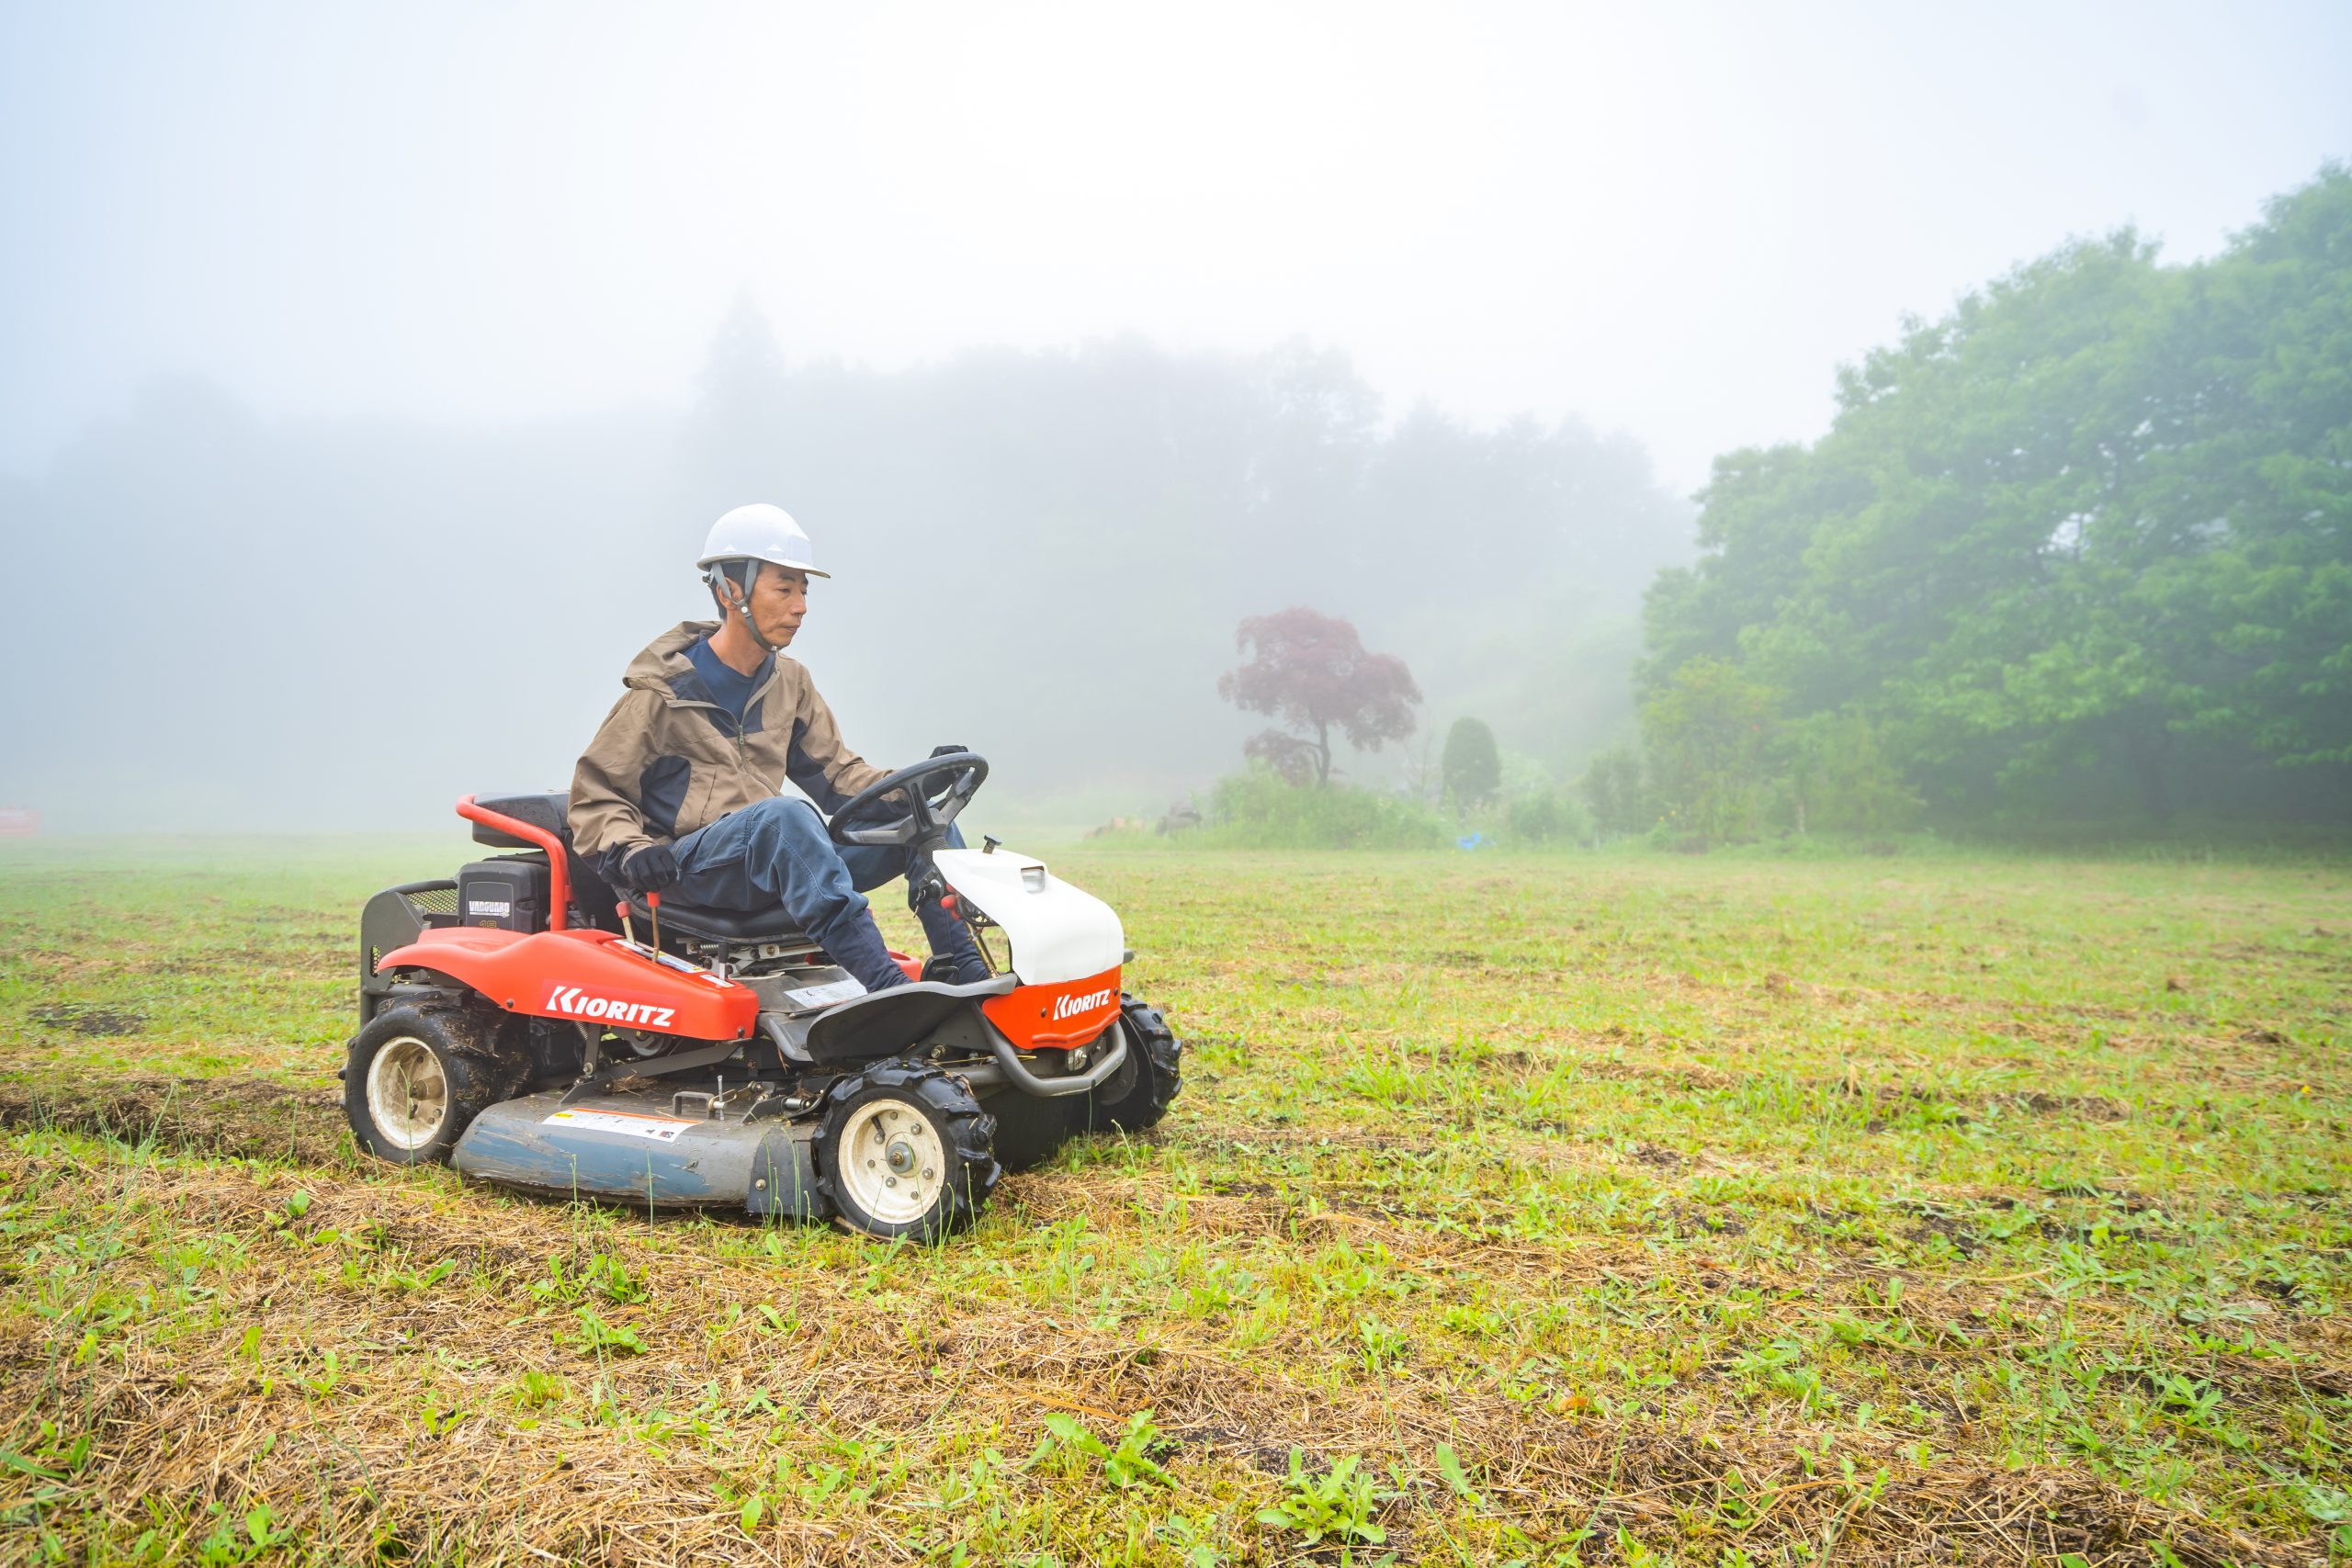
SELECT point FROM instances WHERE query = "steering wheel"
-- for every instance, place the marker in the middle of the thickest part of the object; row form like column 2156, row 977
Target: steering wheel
column 912, row 806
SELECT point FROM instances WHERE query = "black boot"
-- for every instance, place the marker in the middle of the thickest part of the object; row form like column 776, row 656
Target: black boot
column 854, row 942
column 951, row 939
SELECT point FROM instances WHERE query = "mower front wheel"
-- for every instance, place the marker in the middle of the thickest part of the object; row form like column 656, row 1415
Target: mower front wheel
column 906, row 1151
column 415, row 1077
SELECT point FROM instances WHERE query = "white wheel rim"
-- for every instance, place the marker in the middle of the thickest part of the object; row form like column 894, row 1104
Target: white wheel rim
column 892, row 1162
column 408, row 1094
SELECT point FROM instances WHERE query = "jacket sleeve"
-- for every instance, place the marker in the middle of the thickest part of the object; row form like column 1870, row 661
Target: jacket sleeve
column 606, row 822
column 820, row 762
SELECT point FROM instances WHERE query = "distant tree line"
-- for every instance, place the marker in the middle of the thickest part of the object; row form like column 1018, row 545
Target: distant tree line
column 1043, row 553
column 2081, row 549
column 1161, row 498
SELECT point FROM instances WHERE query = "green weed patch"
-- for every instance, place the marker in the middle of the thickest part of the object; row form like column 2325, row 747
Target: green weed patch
column 1544, row 1210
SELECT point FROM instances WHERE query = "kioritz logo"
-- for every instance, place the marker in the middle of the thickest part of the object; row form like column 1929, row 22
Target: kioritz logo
column 573, row 1002
column 1070, row 1006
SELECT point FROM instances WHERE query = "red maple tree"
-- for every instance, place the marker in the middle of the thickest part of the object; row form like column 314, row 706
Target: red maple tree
column 1311, row 671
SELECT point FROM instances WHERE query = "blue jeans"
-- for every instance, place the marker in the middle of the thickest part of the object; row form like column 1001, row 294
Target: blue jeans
column 778, row 853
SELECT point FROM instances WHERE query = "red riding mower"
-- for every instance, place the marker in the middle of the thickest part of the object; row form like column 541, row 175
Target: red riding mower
column 513, row 1024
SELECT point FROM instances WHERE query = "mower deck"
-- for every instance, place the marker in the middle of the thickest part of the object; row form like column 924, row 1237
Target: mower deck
column 661, row 1148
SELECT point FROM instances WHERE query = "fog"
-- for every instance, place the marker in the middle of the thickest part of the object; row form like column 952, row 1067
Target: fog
column 367, row 379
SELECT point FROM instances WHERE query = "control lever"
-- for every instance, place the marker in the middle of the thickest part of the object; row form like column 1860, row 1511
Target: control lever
column 652, row 908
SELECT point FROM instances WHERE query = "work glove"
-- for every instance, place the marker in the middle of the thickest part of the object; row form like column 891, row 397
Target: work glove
column 649, row 869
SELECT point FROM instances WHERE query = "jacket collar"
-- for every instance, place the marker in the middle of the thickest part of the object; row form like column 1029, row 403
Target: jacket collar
column 663, row 660
column 662, row 666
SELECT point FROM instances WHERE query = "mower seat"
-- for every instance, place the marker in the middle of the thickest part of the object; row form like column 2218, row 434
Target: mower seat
column 553, row 812
column 746, row 926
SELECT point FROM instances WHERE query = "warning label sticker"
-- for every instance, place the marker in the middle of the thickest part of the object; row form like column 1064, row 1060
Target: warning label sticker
column 661, row 1129
column 811, row 997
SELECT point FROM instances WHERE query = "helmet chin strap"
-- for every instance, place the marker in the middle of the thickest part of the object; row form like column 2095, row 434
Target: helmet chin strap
column 740, row 596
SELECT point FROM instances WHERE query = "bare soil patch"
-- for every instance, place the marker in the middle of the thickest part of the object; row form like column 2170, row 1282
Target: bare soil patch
column 103, row 1023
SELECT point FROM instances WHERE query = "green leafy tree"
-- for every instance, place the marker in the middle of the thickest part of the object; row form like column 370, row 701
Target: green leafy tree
column 2084, row 541
column 1473, row 764
column 1708, row 733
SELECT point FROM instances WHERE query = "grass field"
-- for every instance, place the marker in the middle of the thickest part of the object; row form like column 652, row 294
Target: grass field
column 1540, row 1210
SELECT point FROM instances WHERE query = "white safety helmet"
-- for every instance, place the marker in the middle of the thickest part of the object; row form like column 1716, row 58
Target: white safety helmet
column 763, row 533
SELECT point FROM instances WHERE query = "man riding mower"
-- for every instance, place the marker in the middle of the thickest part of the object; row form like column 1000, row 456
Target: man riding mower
column 760, row 1044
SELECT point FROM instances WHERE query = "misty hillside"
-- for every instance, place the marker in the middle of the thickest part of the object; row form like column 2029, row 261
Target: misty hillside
column 344, row 623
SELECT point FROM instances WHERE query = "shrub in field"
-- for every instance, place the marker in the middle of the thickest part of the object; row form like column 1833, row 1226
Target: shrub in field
column 1546, row 815
column 1612, row 789
column 1257, row 810
column 1473, row 764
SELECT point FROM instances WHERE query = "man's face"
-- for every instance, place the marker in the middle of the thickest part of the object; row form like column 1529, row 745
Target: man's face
column 779, row 603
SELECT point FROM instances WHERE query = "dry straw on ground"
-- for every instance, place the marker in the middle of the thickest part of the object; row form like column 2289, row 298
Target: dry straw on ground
column 1833, row 1250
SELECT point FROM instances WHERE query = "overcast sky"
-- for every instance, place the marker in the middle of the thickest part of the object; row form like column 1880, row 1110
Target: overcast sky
column 1669, row 220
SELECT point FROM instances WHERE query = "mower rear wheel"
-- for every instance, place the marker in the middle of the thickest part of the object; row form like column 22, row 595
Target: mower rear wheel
column 904, row 1150
column 415, row 1077
column 1139, row 1094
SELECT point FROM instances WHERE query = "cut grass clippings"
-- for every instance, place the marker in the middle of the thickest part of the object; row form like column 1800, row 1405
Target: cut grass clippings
column 1543, row 1210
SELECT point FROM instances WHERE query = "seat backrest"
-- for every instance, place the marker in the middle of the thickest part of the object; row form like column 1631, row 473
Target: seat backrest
column 552, row 812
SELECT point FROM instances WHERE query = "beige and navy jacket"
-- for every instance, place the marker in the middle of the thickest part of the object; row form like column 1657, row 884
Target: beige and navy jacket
column 669, row 760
